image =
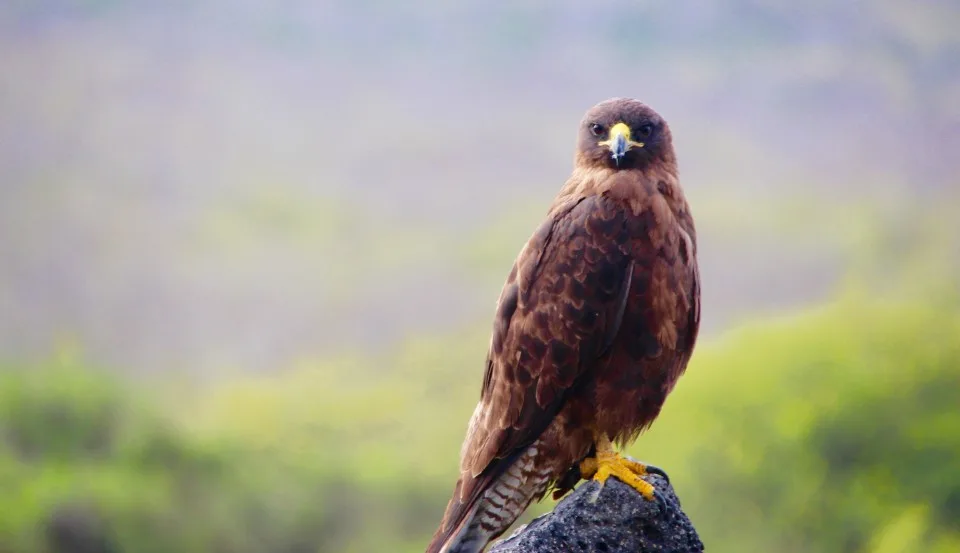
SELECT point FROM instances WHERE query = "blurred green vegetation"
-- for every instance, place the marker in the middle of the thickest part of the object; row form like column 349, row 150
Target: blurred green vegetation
column 835, row 429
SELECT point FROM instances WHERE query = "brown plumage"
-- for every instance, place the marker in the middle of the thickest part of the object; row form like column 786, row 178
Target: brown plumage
column 594, row 326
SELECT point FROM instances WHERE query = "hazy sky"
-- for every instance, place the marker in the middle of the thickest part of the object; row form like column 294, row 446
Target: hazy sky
column 197, row 185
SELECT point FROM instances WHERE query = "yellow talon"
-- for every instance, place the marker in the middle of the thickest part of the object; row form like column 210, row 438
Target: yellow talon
column 609, row 463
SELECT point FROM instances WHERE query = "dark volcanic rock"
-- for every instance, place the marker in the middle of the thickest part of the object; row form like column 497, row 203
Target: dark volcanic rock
column 619, row 520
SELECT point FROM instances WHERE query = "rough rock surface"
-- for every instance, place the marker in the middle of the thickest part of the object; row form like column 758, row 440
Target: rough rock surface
column 619, row 520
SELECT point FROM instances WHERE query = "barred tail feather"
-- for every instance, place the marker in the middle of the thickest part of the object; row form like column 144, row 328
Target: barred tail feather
column 468, row 526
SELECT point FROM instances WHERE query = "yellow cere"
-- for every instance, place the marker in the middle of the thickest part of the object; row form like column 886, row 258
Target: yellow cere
column 620, row 128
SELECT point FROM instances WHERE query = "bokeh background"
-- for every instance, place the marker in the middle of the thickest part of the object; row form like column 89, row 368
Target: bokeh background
column 250, row 252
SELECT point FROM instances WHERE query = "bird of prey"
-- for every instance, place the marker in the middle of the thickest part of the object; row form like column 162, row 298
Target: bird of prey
column 595, row 324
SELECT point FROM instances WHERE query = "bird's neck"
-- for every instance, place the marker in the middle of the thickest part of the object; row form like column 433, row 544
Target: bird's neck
column 589, row 180
column 654, row 185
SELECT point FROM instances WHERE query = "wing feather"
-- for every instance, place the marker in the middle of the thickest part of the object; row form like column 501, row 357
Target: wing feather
column 559, row 309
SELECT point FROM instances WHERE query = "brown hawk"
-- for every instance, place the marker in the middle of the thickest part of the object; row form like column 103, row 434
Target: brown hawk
column 595, row 324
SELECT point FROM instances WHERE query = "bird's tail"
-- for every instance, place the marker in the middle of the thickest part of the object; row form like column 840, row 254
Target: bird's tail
column 471, row 522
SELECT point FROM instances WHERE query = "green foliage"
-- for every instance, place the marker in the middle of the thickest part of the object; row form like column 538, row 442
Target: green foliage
column 74, row 442
column 833, row 430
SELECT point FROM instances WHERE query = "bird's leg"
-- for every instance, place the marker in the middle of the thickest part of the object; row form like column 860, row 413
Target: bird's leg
column 609, row 463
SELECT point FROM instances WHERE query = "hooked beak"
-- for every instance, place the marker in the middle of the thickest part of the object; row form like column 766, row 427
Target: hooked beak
column 619, row 141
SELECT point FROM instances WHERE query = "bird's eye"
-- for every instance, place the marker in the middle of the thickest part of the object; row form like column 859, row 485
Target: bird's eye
column 645, row 130
column 596, row 129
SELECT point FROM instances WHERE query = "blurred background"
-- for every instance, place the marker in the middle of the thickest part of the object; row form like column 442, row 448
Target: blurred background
column 250, row 252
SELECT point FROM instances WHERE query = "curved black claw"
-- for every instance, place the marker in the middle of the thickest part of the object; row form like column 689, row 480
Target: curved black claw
column 651, row 469
column 661, row 501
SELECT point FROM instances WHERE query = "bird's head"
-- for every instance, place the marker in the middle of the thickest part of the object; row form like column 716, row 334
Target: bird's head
column 622, row 133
